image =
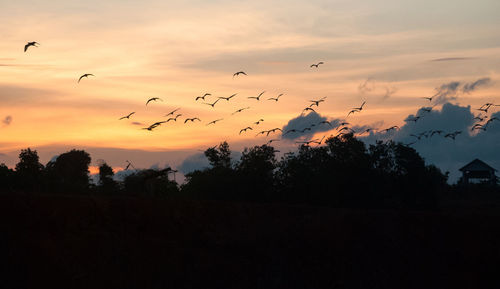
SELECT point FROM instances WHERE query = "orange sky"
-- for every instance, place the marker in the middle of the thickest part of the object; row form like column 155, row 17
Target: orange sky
column 179, row 50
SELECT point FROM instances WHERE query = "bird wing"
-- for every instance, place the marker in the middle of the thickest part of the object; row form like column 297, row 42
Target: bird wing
column 26, row 47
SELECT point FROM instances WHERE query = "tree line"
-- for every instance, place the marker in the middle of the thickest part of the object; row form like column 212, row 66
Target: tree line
column 343, row 173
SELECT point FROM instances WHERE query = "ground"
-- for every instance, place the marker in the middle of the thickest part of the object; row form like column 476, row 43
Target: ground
column 124, row 242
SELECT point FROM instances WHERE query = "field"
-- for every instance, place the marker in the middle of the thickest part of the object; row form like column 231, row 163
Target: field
column 121, row 242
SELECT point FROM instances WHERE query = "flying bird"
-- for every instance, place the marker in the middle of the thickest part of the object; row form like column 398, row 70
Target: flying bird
column 240, row 110
column 212, row 104
column 275, row 98
column 172, row 112
column 429, row 98
column 153, row 99
column 308, row 108
column 127, row 116
column 245, row 129
column 289, row 131
column 258, row 122
column 238, row 73
column 86, row 75
column 316, row 102
column 33, row 43
column 214, row 121
column 257, row 97
column 174, row 118
column 325, row 122
column 129, row 164
column 361, row 107
column 192, row 119
column 316, row 64
column 228, row 98
column 271, row 140
column 202, row 97
column 391, row 128
column 352, row 111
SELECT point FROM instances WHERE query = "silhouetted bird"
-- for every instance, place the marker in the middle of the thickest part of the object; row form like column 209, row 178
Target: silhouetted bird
column 228, row 98
column 325, row 122
column 153, row 99
column 129, row 164
column 192, row 119
column 395, row 127
column 289, row 131
column 361, row 107
column 426, row 109
column 305, row 129
column 214, row 121
column 429, row 98
column 258, row 122
column 202, row 97
column 238, row 73
column 352, row 111
column 308, row 109
column 86, row 75
column 271, row 140
column 245, row 129
column 275, row 98
column 316, row 102
column 174, row 118
column 172, row 112
column 257, row 97
column 33, row 43
column 240, row 110
column 316, row 64
column 212, row 104
column 127, row 116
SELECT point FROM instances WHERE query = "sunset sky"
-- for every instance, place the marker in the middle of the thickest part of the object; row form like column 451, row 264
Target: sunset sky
column 388, row 53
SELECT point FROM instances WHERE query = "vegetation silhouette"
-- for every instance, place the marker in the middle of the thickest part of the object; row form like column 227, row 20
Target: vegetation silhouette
column 342, row 173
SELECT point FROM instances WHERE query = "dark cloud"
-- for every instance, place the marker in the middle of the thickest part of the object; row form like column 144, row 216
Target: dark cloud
column 446, row 153
column 7, row 120
column 194, row 162
column 468, row 87
column 446, row 92
column 450, row 91
column 451, row 59
column 303, row 121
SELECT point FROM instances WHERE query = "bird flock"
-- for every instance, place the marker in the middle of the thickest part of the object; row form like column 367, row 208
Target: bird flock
column 341, row 127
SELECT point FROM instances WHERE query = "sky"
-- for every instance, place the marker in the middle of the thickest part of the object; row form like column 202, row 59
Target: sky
column 389, row 53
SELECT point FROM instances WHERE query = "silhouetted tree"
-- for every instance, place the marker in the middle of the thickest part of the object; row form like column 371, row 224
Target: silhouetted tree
column 29, row 171
column 6, row 179
column 69, row 173
column 219, row 157
column 219, row 182
column 106, row 183
column 256, row 173
column 151, row 183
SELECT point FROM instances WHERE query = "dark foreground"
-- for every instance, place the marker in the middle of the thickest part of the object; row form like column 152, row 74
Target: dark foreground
column 89, row 242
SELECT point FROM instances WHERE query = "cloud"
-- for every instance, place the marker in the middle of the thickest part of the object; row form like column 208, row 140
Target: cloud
column 7, row 120
column 304, row 121
column 371, row 86
column 194, row 162
column 446, row 92
column 451, row 59
column 450, row 91
column 446, row 153
column 468, row 87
